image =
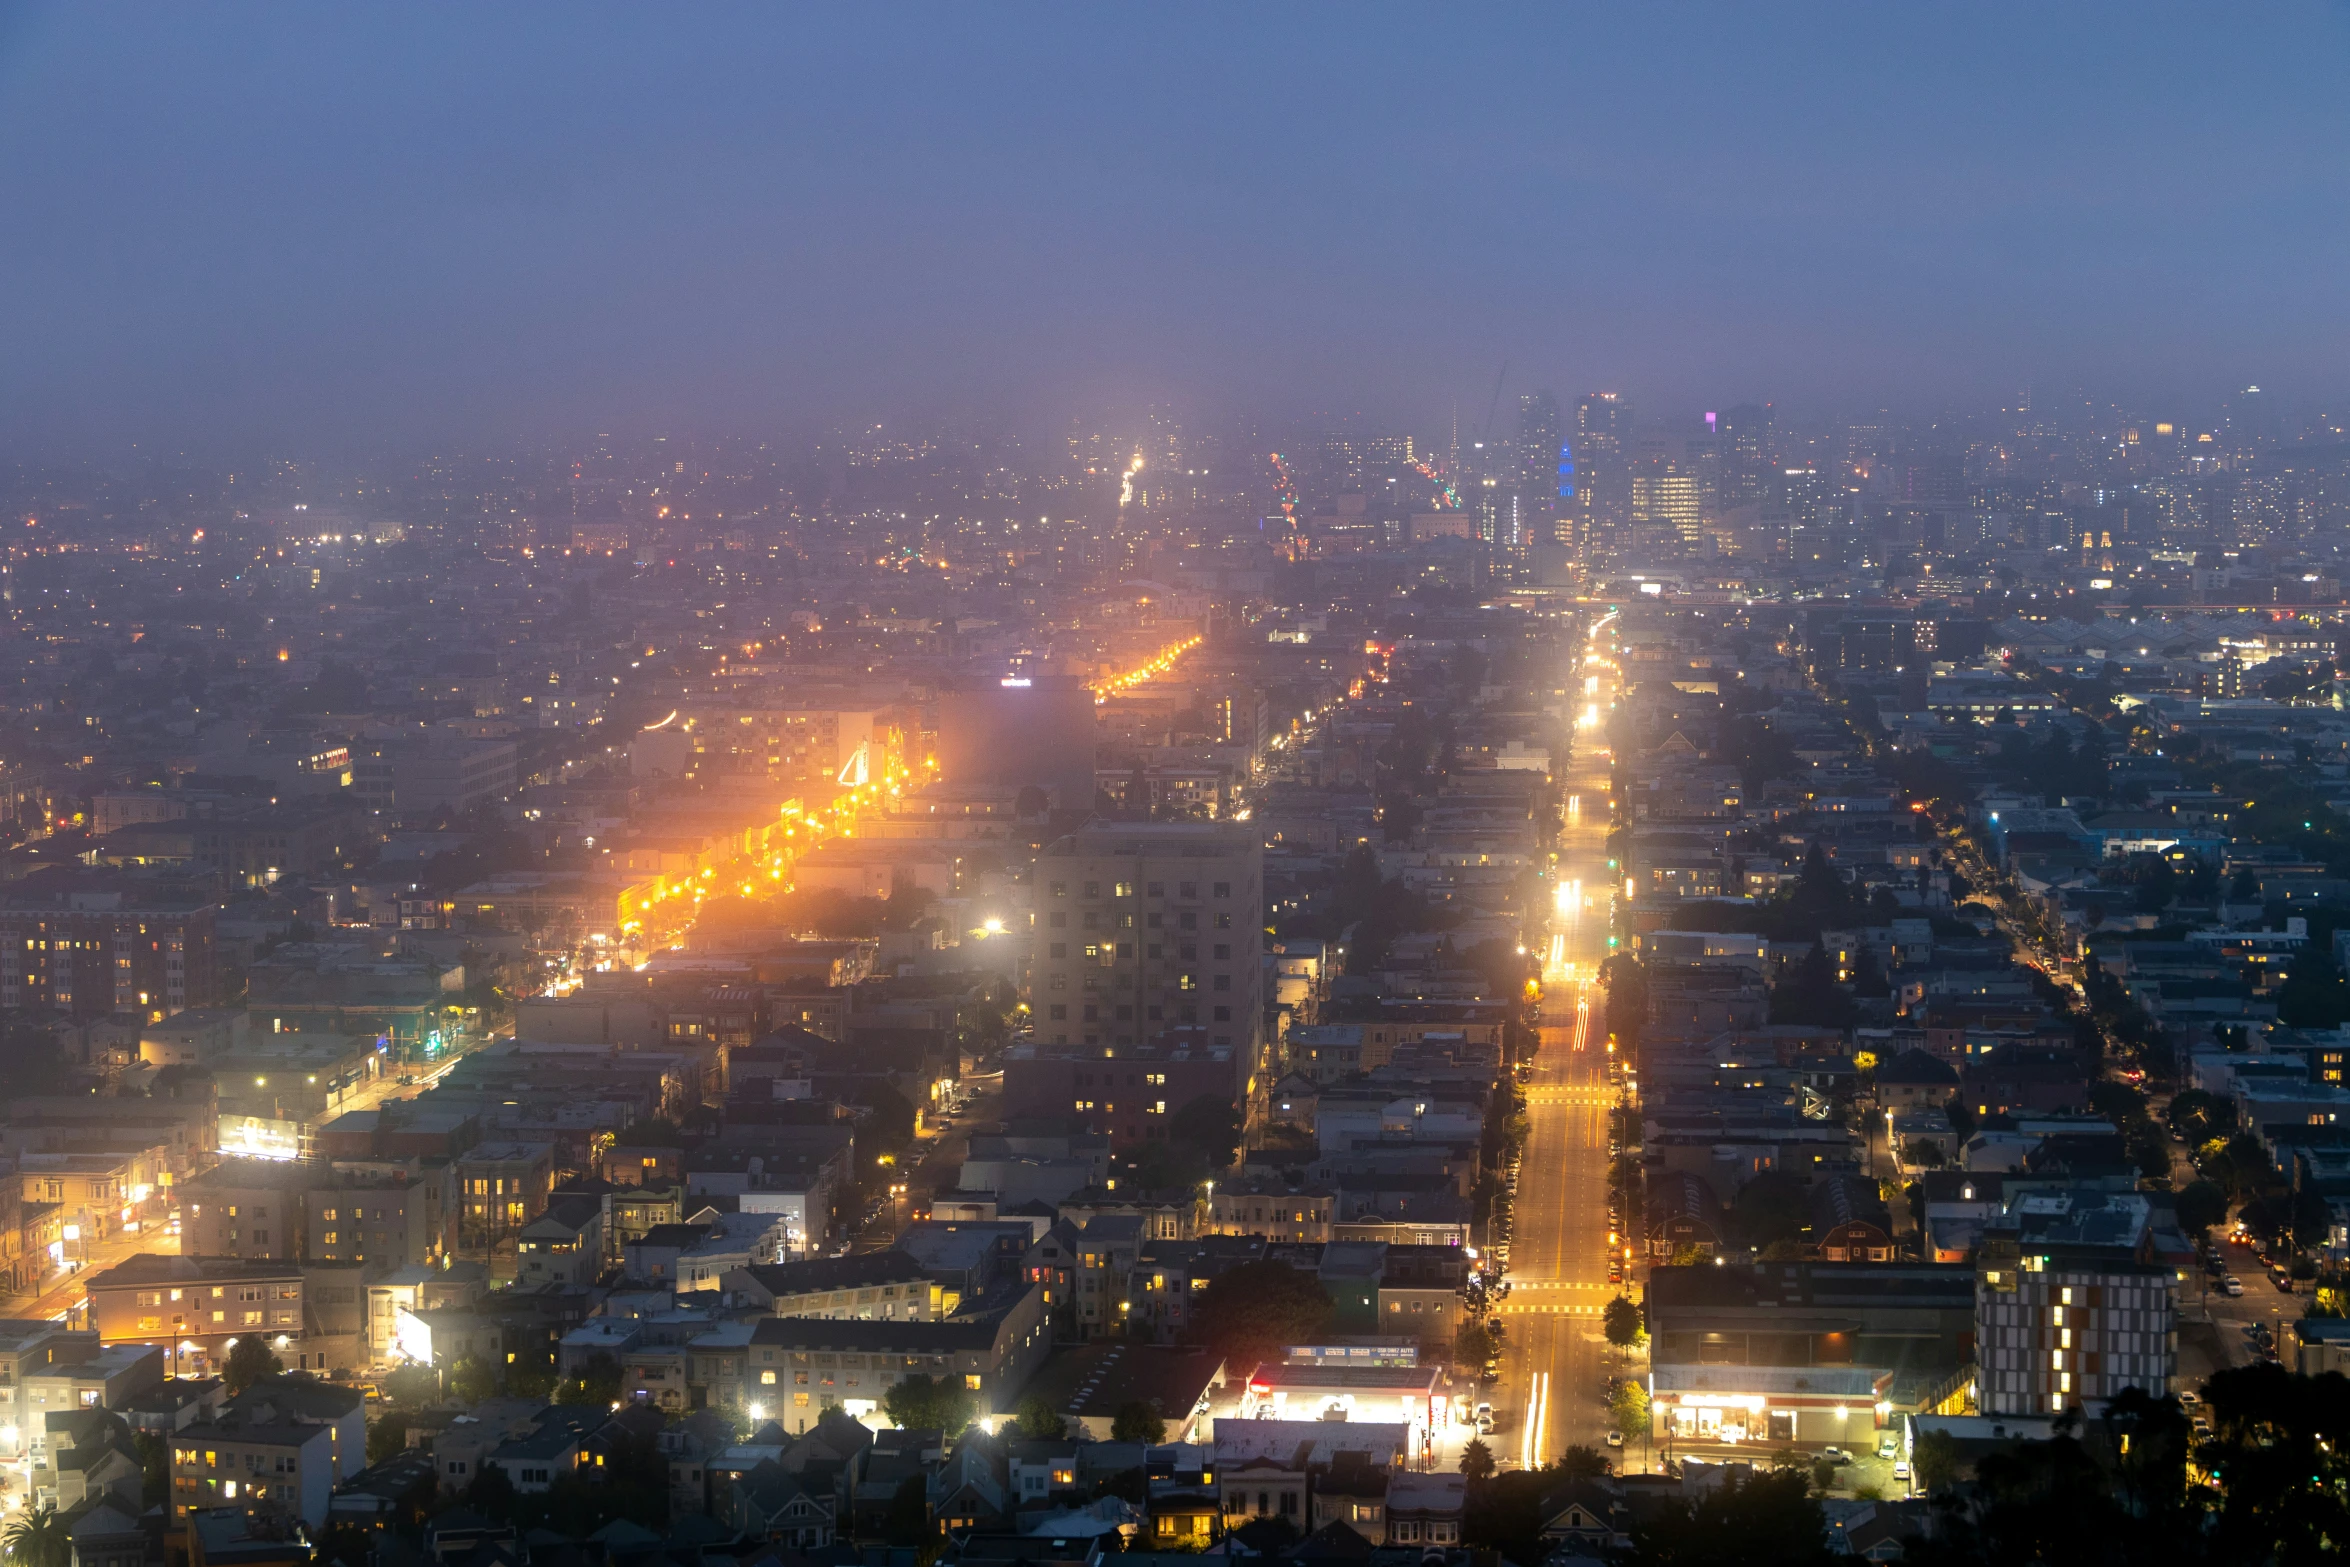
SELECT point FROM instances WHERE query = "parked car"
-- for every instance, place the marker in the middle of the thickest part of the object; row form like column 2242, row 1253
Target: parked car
column 1901, row 1469
column 1485, row 1420
column 1836, row 1455
column 1887, row 1445
column 2231, row 1285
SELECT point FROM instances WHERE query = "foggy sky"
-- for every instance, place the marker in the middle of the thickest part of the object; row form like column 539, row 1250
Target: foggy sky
column 241, row 226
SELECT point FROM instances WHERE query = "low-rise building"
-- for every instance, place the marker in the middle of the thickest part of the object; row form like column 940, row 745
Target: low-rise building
column 282, row 1466
column 194, row 1308
column 884, row 1285
column 798, row 1365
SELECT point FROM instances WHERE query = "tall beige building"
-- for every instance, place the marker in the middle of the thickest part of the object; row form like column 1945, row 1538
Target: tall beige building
column 1136, row 929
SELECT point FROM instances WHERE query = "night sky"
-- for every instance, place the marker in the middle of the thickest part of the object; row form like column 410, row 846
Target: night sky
column 280, row 228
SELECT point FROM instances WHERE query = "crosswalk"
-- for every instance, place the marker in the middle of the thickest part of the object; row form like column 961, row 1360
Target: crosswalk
column 1567, row 1094
column 1517, row 1283
column 1535, row 1308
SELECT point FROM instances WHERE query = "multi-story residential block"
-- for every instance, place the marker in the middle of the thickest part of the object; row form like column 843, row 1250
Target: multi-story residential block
column 2056, row 1331
column 1130, row 1092
column 881, row 1285
column 280, row 1465
column 797, row 1365
column 196, row 1307
column 251, row 1208
column 91, row 949
column 397, row 1212
column 30, row 1349
column 1137, row 929
column 501, row 1188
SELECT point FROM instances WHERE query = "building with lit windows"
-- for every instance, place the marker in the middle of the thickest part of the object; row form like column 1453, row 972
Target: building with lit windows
column 196, row 1307
column 89, row 951
column 501, row 1188
column 2059, row 1327
column 1139, row 929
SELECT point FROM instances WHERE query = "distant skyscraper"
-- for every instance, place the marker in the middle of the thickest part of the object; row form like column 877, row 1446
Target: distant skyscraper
column 1498, row 509
column 1742, row 453
column 1541, row 438
column 1603, row 432
column 1667, row 499
column 2253, row 425
column 1341, row 468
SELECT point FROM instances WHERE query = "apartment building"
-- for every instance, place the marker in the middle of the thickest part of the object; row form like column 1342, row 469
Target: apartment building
column 395, row 1212
column 30, row 1349
column 90, row 950
column 798, row 1365
column 1135, row 929
column 2055, row 1331
column 251, row 1208
column 283, row 1466
column 196, row 1307
column 501, row 1188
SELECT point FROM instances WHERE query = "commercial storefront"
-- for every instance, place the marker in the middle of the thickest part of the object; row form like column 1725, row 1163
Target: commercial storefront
column 1768, row 1406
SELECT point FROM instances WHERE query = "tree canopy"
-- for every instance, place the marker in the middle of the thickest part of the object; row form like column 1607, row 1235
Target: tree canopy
column 1810, row 995
column 920, row 1403
column 1139, row 1421
column 249, row 1360
column 1252, row 1312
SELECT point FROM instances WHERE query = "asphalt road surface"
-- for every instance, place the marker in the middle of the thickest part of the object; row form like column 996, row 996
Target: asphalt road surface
column 1555, row 1360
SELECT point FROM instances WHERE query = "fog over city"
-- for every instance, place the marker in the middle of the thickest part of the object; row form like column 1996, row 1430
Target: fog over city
column 951, row 787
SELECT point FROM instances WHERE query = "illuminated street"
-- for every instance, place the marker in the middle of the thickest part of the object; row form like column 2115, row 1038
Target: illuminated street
column 1554, row 1361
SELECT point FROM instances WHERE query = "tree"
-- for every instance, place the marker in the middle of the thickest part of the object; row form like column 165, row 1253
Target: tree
column 491, row 1492
column 1769, row 1519
column 920, row 1403
column 1628, row 1410
column 1867, row 978
column 386, row 1434
column 471, row 1381
column 154, row 1467
column 1577, row 1462
column 1620, row 1320
column 1250, row 1313
column 908, row 1520
column 2314, row 994
column 597, row 1383
column 1810, row 995
column 2201, row 1117
column 2283, row 1443
column 1474, row 1343
column 1774, row 1206
column 1139, row 1421
column 249, row 1360
column 531, row 1381
column 1210, row 1124
column 38, row 1539
column 1476, row 1460
column 2200, row 1205
column 1936, row 1460
column 1038, row 1421
column 412, row 1386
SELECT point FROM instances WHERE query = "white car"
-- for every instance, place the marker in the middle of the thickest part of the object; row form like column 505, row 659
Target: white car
column 1615, row 1439
column 1901, row 1469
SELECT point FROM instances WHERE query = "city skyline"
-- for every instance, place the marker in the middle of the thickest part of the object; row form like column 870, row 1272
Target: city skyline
column 371, row 230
